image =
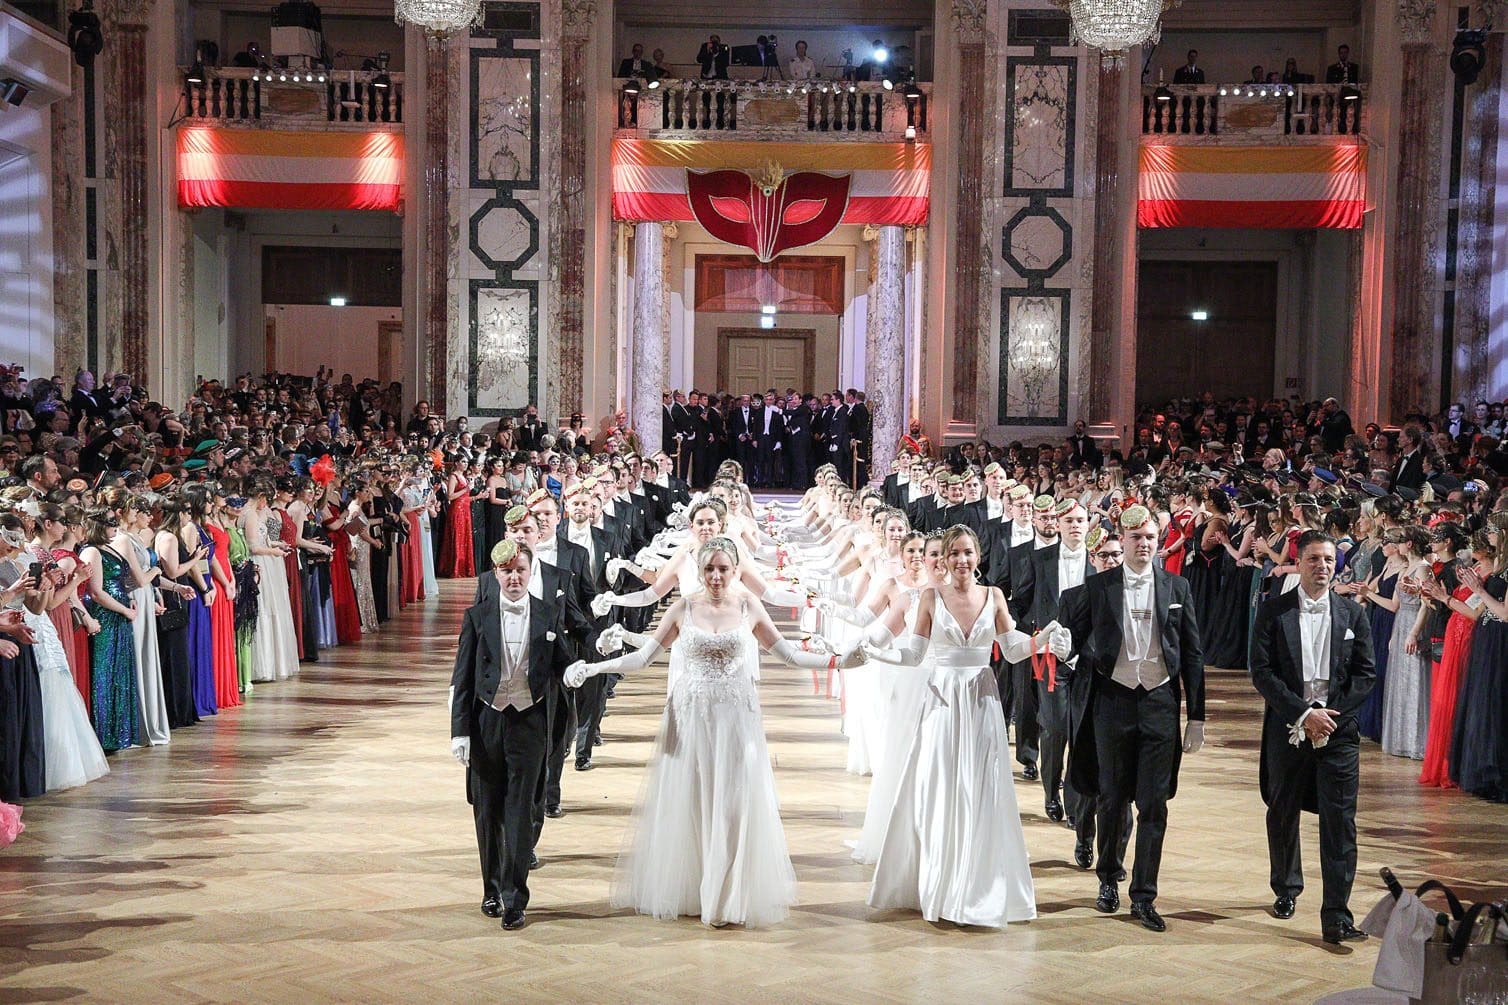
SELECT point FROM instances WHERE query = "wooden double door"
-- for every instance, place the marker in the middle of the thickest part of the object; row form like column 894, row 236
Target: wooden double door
column 753, row 359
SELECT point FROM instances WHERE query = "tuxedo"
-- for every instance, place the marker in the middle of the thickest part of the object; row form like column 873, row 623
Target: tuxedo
column 743, row 425
column 1409, row 471
column 713, row 61
column 1182, row 75
column 641, row 67
column 509, row 747
column 667, row 428
column 529, row 433
column 798, row 448
column 1016, row 681
column 1322, row 779
column 855, row 466
column 1083, row 450
column 591, row 696
column 893, row 490
column 686, row 425
column 1128, row 748
column 1343, row 73
column 769, row 442
column 835, row 438
column 926, row 514
column 711, row 446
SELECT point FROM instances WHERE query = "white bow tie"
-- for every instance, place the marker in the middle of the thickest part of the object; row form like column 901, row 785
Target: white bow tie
column 1136, row 582
column 514, row 606
column 1320, row 606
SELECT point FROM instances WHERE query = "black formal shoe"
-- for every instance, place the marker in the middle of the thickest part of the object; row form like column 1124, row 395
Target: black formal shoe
column 1083, row 854
column 1283, row 908
column 1344, row 932
column 1070, row 823
column 597, row 740
column 1120, row 875
column 554, row 812
column 584, row 764
column 535, row 862
column 513, row 919
column 1029, row 771
column 1109, row 900
column 492, row 907
column 1148, row 916
column 1055, row 810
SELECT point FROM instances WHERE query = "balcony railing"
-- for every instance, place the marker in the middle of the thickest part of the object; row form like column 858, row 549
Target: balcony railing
column 285, row 99
column 1253, row 113
column 824, row 109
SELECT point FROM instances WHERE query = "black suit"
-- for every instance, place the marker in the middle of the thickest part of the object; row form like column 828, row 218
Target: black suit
column 686, row 425
column 892, row 491
column 1129, row 747
column 1083, row 450
column 508, row 748
column 1343, row 73
column 741, row 425
column 528, row 435
column 769, row 442
column 1409, row 471
column 640, row 67
column 798, row 447
column 1015, row 680
column 714, row 62
column 1182, row 75
column 835, row 438
column 1322, row 779
column 855, row 465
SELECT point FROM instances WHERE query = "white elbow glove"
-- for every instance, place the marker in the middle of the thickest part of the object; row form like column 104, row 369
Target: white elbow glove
column 783, row 598
column 640, row 598
column 1016, row 646
column 908, row 654
column 615, row 566
column 603, row 602
column 877, row 636
column 610, row 641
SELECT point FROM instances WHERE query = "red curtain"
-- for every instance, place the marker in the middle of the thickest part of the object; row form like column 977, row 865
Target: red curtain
column 793, row 284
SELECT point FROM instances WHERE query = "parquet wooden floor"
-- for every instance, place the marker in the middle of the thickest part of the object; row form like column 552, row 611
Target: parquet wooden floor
column 315, row 845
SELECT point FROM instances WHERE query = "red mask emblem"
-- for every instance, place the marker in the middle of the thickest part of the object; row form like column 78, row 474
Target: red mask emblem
column 764, row 214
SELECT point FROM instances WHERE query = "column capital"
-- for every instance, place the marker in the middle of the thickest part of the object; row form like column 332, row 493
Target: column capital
column 1416, row 21
column 133, row 13
column 577, row 17
column 969, row 18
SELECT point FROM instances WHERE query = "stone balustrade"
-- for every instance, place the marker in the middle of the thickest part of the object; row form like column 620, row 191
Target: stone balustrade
column 817, row 109
column 285, row 99
column 1230, row 114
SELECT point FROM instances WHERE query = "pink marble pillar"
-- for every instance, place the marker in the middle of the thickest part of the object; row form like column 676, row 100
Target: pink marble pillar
column 885, row 347
column 126, row 67
column 435, row 316
column 568, row 236
column 1415, row 378
column 968, row 233
column 1104, row 311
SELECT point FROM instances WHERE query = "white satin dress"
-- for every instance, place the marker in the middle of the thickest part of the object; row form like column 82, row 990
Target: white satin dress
column 954, row 848
column 706, row 838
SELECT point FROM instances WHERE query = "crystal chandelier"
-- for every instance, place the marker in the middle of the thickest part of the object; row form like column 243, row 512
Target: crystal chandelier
column 438, row 17
column 1035, row 344
column 1116, row 25
column 510, row 341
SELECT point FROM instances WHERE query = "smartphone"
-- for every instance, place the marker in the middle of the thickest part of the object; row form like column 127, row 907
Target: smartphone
column 35, row 572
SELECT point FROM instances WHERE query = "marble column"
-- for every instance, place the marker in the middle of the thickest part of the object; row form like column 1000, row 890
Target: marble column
column 885, row 347
column 1415, row 375
column 69, row 246
column 648, row 340
column 126, row 54
column 435, row 312
column 569, row 230
column 1474, row 251
column 973, row 99
column 1104, row 310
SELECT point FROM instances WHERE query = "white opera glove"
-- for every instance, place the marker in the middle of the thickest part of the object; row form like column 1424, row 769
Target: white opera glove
column 784, row 598
column 577, row 673
column 1016, row 645
column 1060, row 643
column 615, row 566
column 603, row 602
column 610, row 641
column 860, row 616
column 1193, row 736
column 792, row 655
column 639, row 598
column 908, row 653
column 460, row 749
column 877, row 636
column 627, row 663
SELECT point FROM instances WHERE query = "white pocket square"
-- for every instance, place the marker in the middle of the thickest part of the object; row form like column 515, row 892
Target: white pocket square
column 1350, row 635
column 559, row 593
column 549, row 636
column 1175, row 607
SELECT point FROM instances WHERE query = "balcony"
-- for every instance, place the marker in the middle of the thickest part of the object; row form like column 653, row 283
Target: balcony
column 1255, row 114
column 753, row 110
column 283, row 99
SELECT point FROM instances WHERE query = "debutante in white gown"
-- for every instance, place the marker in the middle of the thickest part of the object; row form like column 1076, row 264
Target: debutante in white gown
column 706, row 838
column 274, row 647
column 954, row 848
column 71, row 749
column 905, row 692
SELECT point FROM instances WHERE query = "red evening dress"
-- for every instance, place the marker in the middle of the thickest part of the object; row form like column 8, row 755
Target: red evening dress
column 456, row 560
column 1445, row 684
column 347, row 614
column 222, row 626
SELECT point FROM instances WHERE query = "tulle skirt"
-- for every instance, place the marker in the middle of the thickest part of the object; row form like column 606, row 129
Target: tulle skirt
column 954, row 848
column 74, row 755
column 274, row 647
column 706, row 838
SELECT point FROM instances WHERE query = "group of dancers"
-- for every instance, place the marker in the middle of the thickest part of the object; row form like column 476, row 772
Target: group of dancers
column 910, row 631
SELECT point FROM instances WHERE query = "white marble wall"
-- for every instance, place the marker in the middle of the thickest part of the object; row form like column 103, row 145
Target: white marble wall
column 647, row 344
column 885, row 347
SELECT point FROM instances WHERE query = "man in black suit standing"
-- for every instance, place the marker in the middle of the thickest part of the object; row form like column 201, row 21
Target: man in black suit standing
column 1408, row 473
column 856, row 454
column 836, row 438
column 769, row 445
column 713, row 59
column 1082, row 450
column 586, row 530
column 711, row 438
column 1136, row 633
column 1189, row 73
column 684, row 420
column 1014, row 543
column 742, row 428
column 1311, row 660
column 798, row 442
column 637, row 66
column 530, row 430
column 507, row 681
column 1343, row 71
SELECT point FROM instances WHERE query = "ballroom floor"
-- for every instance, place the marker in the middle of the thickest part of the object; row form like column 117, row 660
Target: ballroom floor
column 315, row 845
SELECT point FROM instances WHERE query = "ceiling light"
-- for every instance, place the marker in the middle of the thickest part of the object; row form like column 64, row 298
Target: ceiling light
column 337, row 301
column 766, row 322
column 768, row 309
column 1200, row 315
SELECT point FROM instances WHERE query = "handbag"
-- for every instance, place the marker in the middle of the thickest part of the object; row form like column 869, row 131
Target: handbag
column 175, row 617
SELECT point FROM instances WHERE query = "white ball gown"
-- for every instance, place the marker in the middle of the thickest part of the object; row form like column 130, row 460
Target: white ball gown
column 706, row 838
column 954, row 848
column 274, row 647
column 71, row 749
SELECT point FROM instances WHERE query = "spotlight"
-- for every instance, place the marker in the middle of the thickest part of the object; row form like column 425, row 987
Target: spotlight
column 84, row 35
column 13, row 91
column 283, row 77
column 631, row 88
column 382, row 81
column 1352, row 93
column 653, row 85
column 852, row 88
column 888, row 84
column 1199, row 315
column 1468, row 54
column 880, row 54
column 337, row 301
column 196, row 73
column 1162, row 93
column 910, row 134
column 1262, row 93
column 766, row 322
column 768, row 309
column 321, row 78
column 256, row 75
column 1222, row 90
